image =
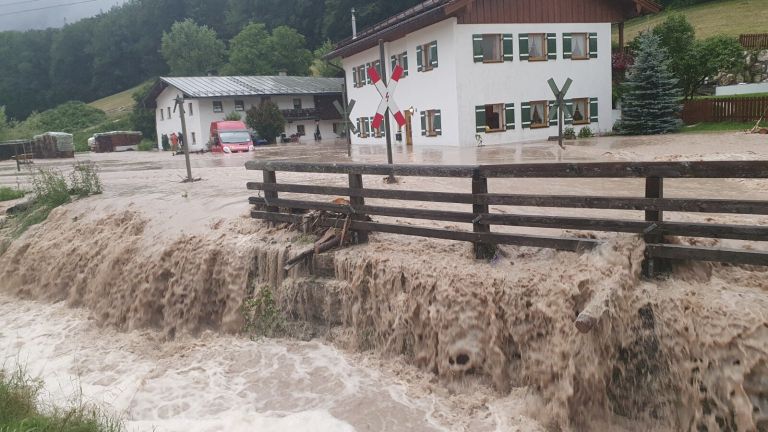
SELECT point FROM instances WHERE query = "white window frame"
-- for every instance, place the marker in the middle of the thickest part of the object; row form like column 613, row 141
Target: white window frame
column 218, row 106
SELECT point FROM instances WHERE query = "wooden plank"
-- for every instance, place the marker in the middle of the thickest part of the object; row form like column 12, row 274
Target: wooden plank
column 356, row 184
column 480, row 187
column 270, row 178
column 621, row 203
column 696, row 169
column 396, row 194
column 654, row 189
column 692, row 253
column 559, row 243
column 365, row 169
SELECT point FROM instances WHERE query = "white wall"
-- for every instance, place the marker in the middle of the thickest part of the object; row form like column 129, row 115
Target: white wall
column 433, row 89
column 459, row 84
column 202, row 115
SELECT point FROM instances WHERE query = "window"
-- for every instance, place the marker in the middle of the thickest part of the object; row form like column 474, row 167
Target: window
column 492, row 51
column 360, row 76
column 494, row 117
column 377, row 133
column 190, row 112
column 363, row 126
column 580, row 111
column 169, row 113
column 431, row 123
column 297, row 103
column 535, row 114
column 402, row 60
column 579, row 46
column 218, row 107
column 162, row 114
column 426, row 55
column 239, row 105
column 300, row 130
column 537, row 47
column 194, row 138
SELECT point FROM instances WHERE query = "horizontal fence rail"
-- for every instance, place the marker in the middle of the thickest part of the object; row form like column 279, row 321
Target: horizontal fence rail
column 271, row 207
column 736, row 109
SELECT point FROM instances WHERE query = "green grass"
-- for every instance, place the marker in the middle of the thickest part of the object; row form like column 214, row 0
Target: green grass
column 720, row 127
column 21, row 410
column 119, row 104
column 729, row 17
column 7, row 194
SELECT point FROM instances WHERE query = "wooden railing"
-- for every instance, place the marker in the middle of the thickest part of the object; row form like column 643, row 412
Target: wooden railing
column 654, row 228
column 754, row 41
column 735, row 109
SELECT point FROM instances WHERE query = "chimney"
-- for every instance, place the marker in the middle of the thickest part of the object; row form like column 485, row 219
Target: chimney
column 354, row 24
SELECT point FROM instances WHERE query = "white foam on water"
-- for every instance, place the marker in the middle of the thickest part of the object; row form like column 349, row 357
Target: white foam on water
column 210, row 383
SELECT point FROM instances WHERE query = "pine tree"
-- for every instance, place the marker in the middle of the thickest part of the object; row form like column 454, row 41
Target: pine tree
column 650, row 104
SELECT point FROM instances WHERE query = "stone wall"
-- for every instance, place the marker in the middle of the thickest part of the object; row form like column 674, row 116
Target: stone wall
column 754, row 70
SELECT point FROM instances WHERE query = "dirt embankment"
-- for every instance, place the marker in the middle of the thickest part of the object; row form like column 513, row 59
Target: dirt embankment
column 686, row 353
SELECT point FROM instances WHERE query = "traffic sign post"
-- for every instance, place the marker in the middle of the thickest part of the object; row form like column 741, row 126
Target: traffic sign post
column 348, row 126
column 560, row 98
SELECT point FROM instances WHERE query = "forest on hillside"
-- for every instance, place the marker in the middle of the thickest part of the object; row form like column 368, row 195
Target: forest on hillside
column 119, row 49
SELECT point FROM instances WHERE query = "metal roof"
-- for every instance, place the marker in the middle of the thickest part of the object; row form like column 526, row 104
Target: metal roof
column 216, row 86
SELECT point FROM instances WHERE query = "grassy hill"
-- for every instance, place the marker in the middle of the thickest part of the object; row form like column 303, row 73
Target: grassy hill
column 730, row 17
column 117, row 105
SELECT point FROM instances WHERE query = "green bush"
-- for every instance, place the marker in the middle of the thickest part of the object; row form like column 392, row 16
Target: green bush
column 50, row 188
column 147, row 145
column 586, row 132
column 262, row 316
column 569, row 133
column 7, row 194
column 233, row 116
column 20, row 410
column 267, row 120
column 85, row 179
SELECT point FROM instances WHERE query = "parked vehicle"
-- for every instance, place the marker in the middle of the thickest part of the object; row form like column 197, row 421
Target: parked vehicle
column 230, row 137
column 257, row 140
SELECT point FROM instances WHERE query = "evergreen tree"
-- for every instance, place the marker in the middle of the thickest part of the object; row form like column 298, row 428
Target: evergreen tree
column 267, row 120
column 650, row 104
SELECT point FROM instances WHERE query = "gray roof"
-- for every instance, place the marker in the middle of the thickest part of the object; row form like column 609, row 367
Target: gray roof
column 215, row 86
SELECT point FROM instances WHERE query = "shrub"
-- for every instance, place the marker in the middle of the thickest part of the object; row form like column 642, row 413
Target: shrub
column 267, row 120
column 262, row 316
column 586, row 132
column 147, row 145
column 85, row 179
column 7, row 194
column 569, row 133
column 233, row 116
column 50, row 188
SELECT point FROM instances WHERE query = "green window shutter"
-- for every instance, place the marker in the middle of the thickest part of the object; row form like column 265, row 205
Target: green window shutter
column 354, row 76
column 420, row 58
column 423, row 123
column 553, row 113
column 393, row 60
column 480, row 118
column 551, row 46
column 377, row 65
column 568, row 112
column 567, row 48
column 593, row 45
column 524, row 48
column 438, row 123
column 477, row 48
column 508, row 45
column 405, row 64
column 359, row 127
column 433, row 53
column 509, row 116
column 367, row 77
column 525, row 109
column 593, row 111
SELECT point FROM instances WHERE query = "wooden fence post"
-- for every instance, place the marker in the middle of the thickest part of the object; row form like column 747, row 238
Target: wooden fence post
column 356, row 182
column 654, row 188
column 270, row 178
column 480, row 186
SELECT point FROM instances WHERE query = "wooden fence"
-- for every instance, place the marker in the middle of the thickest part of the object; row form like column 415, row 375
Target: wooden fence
column 654, row 228
column 735, row 109
column 754, row 41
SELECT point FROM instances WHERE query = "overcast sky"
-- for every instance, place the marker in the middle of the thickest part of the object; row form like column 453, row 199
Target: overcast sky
column 19, row 14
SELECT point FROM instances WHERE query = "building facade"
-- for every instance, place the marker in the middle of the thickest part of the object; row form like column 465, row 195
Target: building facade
column 478, row 70
column 305, row 102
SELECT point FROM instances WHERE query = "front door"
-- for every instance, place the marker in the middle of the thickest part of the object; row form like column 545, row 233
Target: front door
column 408, row 129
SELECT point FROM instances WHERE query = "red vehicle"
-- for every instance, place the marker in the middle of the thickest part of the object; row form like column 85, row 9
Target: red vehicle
column 230, row 137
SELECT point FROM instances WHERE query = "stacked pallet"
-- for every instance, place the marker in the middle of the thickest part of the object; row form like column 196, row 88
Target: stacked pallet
column 53, row 145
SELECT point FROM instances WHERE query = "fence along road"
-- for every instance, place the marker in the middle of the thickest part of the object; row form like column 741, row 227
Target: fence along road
column 654, row 228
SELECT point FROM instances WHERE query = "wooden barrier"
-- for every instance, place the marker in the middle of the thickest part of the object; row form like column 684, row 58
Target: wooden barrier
column 735, row 109
column 654, row 228
column 754, row 41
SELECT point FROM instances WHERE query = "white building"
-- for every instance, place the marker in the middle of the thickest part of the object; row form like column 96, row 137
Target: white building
column 478, row 69
column 306, row 104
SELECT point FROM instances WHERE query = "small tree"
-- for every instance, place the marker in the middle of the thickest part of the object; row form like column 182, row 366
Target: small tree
column 651, row 96
column 233, row 116
column 267, row 120
column 142, row 118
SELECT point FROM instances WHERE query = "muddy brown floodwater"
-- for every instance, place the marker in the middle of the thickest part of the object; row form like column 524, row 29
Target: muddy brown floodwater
column 132, row 300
